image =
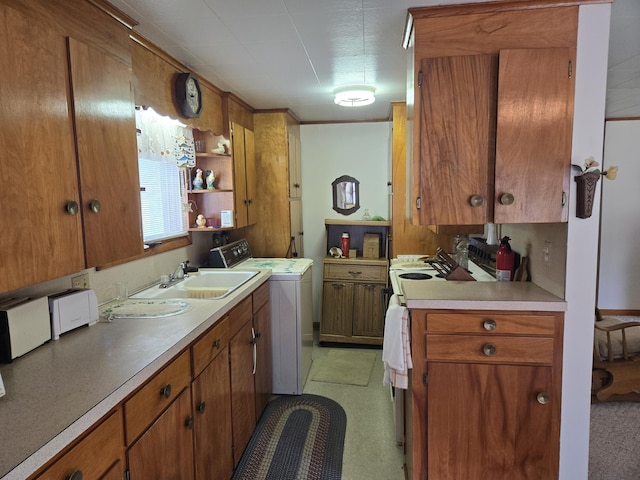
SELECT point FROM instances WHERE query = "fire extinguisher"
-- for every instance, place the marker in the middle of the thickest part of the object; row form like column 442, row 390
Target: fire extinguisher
column 504, row 261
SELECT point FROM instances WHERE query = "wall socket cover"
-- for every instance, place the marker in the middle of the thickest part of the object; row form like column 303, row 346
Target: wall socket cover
column 80, row 281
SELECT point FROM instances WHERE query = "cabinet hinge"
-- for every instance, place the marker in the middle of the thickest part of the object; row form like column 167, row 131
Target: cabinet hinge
column 125, row 476
column 564, row 198
column 570, row 69
column 420, row 78
column 425, row 378
column 418, row 203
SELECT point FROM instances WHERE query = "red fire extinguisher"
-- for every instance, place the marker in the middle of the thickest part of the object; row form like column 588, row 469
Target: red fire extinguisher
column 504, row 261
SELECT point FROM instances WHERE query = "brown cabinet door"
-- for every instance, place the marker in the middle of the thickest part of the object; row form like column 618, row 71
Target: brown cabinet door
column 165, row 450
column 457, row 138
column 212, row 411
column 264, row 368
column 239, row 176
column 337, row 309
column 484, row 421
column 534, row 132
column 107, row 155
column 368, row 310
column 243, row 406
column 40, row 241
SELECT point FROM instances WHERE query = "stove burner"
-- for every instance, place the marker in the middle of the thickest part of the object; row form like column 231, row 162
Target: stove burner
column 415, row 276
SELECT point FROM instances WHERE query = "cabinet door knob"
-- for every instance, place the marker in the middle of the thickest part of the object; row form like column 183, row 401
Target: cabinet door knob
column 95, row 206
column 489, row 325
column 543, row 398
column 200, row 407
column 216, row 343
column 476, row 200
column 489, row 349
column 188, row 423
column 77, row 475
column 72, row 207
column 507, row 199
column 166, row 391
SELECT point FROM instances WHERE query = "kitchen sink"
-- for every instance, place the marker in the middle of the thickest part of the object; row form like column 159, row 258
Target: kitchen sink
column 208, row 284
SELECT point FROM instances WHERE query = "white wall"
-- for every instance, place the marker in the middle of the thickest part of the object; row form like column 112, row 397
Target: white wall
column 619, row 273
column 582, row 243
column 360, row 150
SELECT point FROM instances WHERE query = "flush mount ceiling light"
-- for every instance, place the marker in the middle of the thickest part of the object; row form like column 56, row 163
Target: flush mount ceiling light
column 355, row 95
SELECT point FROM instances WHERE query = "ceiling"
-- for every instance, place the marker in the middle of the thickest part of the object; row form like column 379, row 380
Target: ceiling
column 293, row 53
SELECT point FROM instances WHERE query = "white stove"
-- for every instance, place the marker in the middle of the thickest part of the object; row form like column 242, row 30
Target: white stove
column 413, row 268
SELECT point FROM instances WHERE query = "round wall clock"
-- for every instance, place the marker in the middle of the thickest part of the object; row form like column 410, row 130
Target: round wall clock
column 188, row 95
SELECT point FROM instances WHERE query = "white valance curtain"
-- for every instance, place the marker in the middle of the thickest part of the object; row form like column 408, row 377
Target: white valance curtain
column 164, row 139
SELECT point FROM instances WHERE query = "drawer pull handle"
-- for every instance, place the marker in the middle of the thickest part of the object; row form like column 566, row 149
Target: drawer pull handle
column 543, row 398
column 489, row 349
column 77, row 475
column 354, row 274
column 338, row 285
column 200, row 407
column 216, row 343
column 188, row 423
column 166, row 391
column 489, row 325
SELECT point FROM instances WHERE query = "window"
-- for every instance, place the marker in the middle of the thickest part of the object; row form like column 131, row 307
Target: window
column 165, row 149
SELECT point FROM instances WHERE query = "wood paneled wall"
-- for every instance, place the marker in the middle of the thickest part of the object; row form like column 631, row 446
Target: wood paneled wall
column 154, row 75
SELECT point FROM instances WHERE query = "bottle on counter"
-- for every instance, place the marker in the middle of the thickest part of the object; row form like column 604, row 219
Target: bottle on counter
column 345, row 245
column 504, row 261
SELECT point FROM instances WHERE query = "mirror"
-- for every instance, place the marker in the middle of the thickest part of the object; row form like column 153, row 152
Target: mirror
column 346, row 195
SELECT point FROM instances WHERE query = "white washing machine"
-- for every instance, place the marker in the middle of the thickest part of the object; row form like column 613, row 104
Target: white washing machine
column 291, row 297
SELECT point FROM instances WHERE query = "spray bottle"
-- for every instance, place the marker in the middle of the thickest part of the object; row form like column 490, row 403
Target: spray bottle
column 504, row 261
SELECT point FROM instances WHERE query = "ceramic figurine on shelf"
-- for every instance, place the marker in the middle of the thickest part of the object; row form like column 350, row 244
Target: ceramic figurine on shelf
column 210, row 178
column 201, row 221
column 198, row 181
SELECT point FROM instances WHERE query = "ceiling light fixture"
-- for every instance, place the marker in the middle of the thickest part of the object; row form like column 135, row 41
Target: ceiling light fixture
column 355, row 95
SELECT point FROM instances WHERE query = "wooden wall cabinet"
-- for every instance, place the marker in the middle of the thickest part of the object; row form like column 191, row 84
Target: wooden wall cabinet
column 353, row 289
column 485, row 394
column 278, row 159
column 492, row 114
column 63, row 173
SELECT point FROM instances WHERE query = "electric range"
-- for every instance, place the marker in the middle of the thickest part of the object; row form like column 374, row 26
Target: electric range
column 416, row 268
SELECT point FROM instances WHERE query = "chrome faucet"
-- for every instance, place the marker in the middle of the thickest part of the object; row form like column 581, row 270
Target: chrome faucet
column 181, row 272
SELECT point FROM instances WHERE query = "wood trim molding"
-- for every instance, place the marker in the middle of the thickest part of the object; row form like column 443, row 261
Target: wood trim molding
column 621, row 119
column 114, row 12
column 620, row 312
column 165, row 246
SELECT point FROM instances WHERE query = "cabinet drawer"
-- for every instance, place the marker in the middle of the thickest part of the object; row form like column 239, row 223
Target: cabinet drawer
column 240, row 315
column 158, row 393
column 375, row 273
column 481, row 349
column 210, row 345
column 510, row 324
column 260, row 296
column 94, row 454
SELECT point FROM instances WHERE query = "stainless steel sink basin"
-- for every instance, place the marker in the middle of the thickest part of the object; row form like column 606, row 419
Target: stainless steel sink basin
column 209, row 284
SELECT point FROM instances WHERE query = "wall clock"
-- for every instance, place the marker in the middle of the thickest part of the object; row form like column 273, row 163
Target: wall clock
column 188, row 95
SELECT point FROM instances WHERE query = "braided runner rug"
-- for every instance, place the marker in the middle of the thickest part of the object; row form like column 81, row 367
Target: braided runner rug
column 297, row 438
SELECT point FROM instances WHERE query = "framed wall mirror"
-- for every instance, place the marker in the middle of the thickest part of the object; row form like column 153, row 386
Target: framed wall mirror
column 346, row 195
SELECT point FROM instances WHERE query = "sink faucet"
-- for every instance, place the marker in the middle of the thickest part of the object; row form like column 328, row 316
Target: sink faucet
column 181, row 271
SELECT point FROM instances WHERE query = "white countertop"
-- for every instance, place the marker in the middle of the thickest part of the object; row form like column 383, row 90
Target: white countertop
column 57, row 391
column 456, row 295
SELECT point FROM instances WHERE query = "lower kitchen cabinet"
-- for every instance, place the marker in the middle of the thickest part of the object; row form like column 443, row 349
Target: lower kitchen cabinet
column 264, row 363
column 212, row 412
column 100, row 455
column 165, row 450
column 352, row 300
column 241, row 351
column 485, row 395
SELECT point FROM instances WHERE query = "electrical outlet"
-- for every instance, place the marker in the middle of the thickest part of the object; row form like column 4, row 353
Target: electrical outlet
column 546, row 251
column 80, row 281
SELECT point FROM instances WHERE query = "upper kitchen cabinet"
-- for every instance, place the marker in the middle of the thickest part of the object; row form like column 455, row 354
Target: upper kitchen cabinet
column 107, row 155
column 491, row 109
column 277, row 135
column 238, row 120
column 39, row 186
